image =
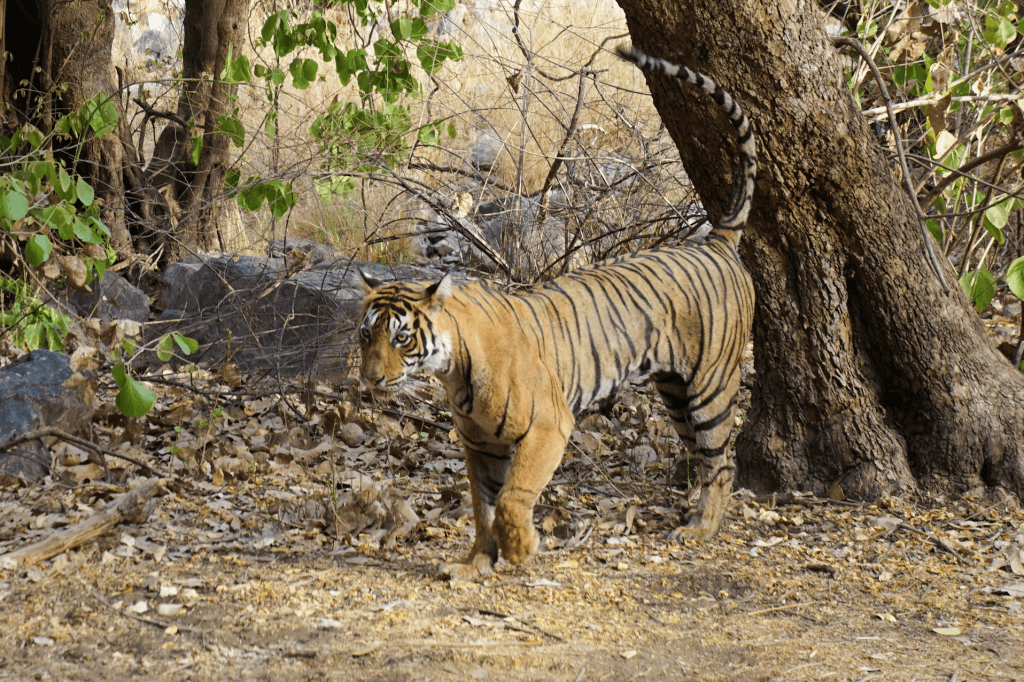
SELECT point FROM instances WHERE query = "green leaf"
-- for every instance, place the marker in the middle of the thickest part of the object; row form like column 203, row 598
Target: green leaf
column 270, row 127
column 165, row 350
column 85, row 191
column 452, row 132
column 97, row 265
column 133, row 399
column 384, row 49
column 419, row 28
column 33, row 335
column 999, row 31
column 995, row 220
column 37, row 249
column 432, row 54
column 13, row 205
column 271, row 24
column 283, row 198
column 63, row 125
column 83, row 231
column 99, row 229
column 980, row 287
column 65, row 187
column 349, row 63
column 1015, row 277
column 89, row 230
column 402, row 28
column 56, row 217
column 188, row 346
column 102, row 114
column 252, row 198
column 429, row 7
column 238, row 70
column 303, row 72
column 43, row 169
column 309, row 69
column 197, row 150
column 935, row 228
column 232, row 127
column 427, row 135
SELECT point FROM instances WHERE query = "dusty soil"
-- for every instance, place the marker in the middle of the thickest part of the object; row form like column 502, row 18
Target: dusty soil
column 827, row 592
column 279, row 552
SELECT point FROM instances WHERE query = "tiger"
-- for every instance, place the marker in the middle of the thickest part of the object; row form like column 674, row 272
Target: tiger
column 519, row 367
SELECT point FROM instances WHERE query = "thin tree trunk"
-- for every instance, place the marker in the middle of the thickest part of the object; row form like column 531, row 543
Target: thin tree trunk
column 868, row 376
column 211, row 28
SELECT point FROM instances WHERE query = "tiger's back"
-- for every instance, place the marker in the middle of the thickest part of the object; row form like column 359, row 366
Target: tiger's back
column 518, row 367
column 682, row 310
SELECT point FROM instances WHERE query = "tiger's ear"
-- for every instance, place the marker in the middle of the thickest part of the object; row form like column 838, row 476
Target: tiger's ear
column 437, row 293
column 369, row 283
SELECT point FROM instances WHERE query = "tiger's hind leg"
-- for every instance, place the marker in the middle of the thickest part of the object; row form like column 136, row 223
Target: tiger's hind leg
column 704, row 422
column 487, row 472
column 673, row 391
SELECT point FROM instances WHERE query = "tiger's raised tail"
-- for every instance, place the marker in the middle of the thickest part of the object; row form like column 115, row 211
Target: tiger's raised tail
column 735, row 219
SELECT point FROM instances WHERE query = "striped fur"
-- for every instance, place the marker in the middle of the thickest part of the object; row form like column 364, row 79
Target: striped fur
column 519, row 367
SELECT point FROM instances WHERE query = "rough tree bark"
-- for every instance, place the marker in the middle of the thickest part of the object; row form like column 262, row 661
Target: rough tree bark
column 211, row 27
column 868, row 375
column 71, row 43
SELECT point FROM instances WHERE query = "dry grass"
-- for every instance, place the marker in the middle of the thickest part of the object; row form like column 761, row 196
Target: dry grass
column 521, row 95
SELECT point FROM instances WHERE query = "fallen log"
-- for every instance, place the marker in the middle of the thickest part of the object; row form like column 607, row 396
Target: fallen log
column 128, row 506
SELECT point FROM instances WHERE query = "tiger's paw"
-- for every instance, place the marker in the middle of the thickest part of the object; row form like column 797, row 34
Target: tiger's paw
column 517, row 538
column 685, row 533
column 698, row 528
column 472, row 570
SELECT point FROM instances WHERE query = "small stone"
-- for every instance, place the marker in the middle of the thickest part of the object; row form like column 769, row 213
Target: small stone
column 442, row 249
column 169, row 609
column 352, row 435
column 138, row 607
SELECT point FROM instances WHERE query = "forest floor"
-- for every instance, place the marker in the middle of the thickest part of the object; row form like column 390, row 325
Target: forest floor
column 276, row 552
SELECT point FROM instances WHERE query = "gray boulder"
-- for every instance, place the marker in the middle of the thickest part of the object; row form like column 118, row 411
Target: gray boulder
column 39, row 390
column 265, row 313
column 113, row 299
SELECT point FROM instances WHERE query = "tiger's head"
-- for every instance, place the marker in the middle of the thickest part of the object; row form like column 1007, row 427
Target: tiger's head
column 398, row 332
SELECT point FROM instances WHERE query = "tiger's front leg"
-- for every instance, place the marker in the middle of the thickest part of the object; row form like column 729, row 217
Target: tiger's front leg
column 537, row 456
column 487, row 472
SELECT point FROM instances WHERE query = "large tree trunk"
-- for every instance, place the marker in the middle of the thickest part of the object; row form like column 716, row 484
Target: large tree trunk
column 211, row 28
column 868, row 375
column 70, row 43
column 75, row 50
column 61, row 56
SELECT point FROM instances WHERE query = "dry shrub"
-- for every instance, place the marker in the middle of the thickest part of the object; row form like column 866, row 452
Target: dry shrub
column 517, row 97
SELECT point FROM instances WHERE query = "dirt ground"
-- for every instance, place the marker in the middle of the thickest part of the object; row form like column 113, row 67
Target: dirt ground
column 287, row 549
column 829, row 591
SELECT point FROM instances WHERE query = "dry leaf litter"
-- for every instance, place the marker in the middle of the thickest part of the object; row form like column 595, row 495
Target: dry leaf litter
column 299, row 535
